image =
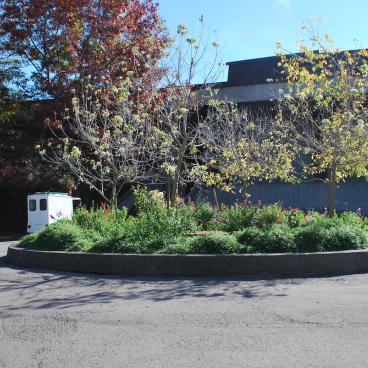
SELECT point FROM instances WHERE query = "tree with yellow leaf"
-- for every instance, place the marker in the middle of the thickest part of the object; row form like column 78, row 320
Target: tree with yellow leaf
column 324, row 110
column 244, row 146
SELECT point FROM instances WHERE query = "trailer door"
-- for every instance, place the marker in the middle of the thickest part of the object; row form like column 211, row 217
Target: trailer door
column 37, row 213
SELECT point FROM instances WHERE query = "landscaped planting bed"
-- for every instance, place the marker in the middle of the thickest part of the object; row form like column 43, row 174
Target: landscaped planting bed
column 201, row 229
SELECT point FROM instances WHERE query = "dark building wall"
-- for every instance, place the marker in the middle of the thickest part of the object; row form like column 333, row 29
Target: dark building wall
column 351, row 195
column 255, row 71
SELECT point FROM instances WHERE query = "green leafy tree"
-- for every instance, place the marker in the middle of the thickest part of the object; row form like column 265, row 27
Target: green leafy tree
column 10, row 95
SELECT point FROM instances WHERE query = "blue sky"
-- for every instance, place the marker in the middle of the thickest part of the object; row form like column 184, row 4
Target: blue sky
column 250, row 28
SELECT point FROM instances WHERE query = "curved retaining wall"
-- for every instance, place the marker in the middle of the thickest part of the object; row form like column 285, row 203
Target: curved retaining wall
column 193, row 264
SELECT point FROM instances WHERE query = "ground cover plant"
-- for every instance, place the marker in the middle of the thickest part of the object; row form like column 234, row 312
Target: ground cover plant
column 200, row 228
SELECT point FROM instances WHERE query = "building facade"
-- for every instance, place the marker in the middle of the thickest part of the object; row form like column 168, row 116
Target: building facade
column 248, row 84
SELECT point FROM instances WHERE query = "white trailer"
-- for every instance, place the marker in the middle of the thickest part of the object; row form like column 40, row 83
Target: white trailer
column 46, row 208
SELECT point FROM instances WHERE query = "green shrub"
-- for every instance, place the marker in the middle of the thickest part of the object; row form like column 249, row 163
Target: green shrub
column 352, row 218
column 158, row 229
column 330, row 235
column 213, row 244
column 345, row 237
column 249, row 239
column 62, row 235
column 236, row 217
column 154, row 245
column 274, row 239
column 311, row 238
column 295, row 217
column 145, row 199
column 124, row 244
column 118, row 244
column 279, row 238
column 326, row 221
column 269, row 215
column 204, row 214
column 160, row 222
column 153, row 228
column 29, row 240
column 180, row 247
column 102, row 220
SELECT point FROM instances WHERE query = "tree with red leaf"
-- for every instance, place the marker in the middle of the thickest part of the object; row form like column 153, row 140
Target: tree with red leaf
column 62, row 42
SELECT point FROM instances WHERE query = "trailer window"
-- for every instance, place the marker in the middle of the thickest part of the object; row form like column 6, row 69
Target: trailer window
column 43, row 204
column 76, row 204
column 32, row 205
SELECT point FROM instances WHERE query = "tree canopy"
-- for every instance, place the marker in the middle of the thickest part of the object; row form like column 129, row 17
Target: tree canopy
column 324, row 109
column 62, row 42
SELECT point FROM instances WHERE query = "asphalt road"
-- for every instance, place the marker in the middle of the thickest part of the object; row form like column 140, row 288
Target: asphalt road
column 53, row 319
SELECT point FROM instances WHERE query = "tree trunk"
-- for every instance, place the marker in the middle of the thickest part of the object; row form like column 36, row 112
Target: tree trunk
column 215, row 198
column 174, row 191
column 168, row 196
column 175, row 181
column 114, row 200
column 244, row 192
column 331, row 209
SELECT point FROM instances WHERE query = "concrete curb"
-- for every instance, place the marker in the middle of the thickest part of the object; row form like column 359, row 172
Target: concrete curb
column 193, row 264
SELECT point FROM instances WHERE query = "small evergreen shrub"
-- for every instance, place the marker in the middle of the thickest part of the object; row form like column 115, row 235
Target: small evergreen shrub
column 278, row 238
column 330, row 235
column 345, row 237
column 250, row 237
column 274, row 239
column 29, row 240
column 62, row 235
column 118, row 244
column 311, row 238
column 213, row 244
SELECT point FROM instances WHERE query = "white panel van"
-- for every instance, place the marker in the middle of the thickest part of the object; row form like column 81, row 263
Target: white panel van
column 48, row 207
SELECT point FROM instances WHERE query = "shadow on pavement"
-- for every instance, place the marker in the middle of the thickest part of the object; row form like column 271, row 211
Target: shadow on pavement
column 3, row 262
column 41, row 289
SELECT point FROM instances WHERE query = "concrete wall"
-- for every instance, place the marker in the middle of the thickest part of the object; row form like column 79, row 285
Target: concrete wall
column 193, row 264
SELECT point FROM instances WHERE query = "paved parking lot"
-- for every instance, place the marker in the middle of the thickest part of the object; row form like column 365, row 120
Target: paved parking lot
column 54, row 319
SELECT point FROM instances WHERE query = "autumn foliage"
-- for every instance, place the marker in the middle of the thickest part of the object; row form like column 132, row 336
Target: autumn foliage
column 65, row 41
